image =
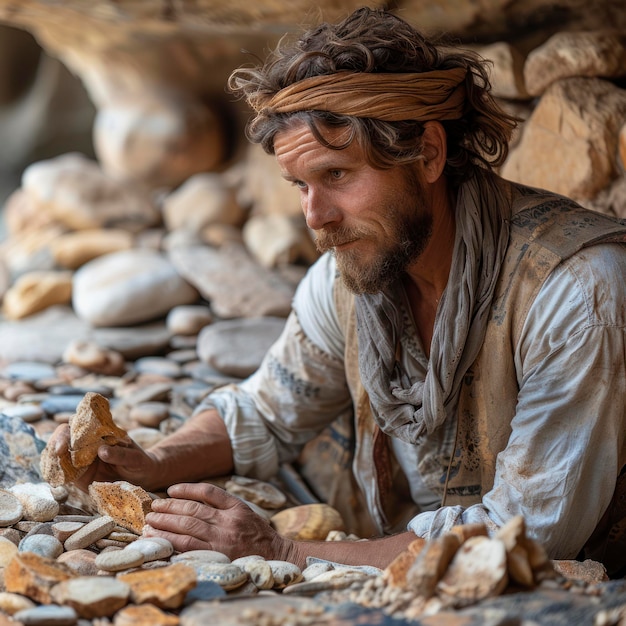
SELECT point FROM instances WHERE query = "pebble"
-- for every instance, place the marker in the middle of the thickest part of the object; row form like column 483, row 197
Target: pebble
column 242, row 561
column 188, row 319
column 7, row 551
column 165, row 587
column 47, row 615
column 158, row 365
column 144, row 615
column 61, row 404
column 315, row 569
column 285, row 573
column 15, row 391
column 43, row 545
column 11, row 509
column 203, row 556
column 226, row 575
column 92, row 596
column 28, row 371
column 204, row 591
column 28, row 412
column 37, row 501
column 150, row 414
column 153, row 548
column 64, row 530
column 146, row 437
column 81, row 561
column 99, row 528
column 260, row 573
column 118, row 560
column 12, row 534
column 11, row 603
column 123, row 536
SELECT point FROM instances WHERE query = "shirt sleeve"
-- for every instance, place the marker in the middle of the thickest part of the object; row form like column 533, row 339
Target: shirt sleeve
column 566, row 448
column 299, row 388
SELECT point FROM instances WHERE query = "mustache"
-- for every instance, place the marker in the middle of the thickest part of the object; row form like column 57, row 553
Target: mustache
column 326, row 240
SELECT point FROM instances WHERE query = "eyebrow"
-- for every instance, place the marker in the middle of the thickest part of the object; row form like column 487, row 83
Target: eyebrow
column 322, row 167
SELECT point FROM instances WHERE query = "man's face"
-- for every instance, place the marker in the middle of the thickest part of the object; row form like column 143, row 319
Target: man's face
column 374, row 221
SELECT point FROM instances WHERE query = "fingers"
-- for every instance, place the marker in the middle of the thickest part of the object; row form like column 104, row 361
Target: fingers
column 181, row 543
column 204, row 492
column 61, row 438
column 189, row 508
column 129, row 458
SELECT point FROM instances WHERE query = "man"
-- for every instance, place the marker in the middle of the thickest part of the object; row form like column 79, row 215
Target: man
column 460, row 345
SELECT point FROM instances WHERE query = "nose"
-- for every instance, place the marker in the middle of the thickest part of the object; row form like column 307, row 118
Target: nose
column 318, row 209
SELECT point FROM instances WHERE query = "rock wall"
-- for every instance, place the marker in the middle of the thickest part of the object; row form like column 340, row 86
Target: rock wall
column 170, row 169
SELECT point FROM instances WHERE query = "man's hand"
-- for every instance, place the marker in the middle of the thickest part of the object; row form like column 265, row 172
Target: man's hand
column 124, row 461
column 200, row 516
column 205, row 517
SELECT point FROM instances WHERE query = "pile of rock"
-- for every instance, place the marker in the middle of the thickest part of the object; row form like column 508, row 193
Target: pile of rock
column 123, row 248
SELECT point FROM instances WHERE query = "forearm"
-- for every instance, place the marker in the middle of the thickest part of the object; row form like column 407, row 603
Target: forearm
column 376, row 552
column 199, row 449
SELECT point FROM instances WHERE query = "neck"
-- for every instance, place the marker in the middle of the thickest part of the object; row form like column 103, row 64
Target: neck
column 428, row 276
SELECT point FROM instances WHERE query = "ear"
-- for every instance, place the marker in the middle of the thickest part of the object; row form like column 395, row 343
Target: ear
column 435, row 150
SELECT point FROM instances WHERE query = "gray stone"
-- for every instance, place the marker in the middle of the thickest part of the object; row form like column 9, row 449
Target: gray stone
column 31, row 338
column 233, row 282
column 237, row 347
column 204, row 591
column 158, row 365
column 43, row 545
column 61, row 404
column 29, row 371
column 28, row 412
column 47, row 615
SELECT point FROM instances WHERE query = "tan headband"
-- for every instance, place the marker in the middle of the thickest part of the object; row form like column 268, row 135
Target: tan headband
column 437, row 95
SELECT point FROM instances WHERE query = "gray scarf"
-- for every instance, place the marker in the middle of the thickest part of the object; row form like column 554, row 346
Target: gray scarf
column 411, row 409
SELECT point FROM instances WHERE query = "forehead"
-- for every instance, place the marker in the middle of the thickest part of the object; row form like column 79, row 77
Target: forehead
column 298, row 145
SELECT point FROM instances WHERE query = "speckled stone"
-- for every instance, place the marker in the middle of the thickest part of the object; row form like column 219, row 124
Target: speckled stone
column 11, row 509
column 285, row 573
column 37, row 501
column 226, row 575
column 99, row 528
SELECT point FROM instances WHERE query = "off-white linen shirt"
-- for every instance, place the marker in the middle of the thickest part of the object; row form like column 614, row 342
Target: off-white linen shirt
column 574, row 334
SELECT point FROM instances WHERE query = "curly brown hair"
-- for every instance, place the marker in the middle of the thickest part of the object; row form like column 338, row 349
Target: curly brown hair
column 373, row 40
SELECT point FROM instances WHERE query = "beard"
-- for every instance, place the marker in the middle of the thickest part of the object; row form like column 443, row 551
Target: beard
column 408, row 229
